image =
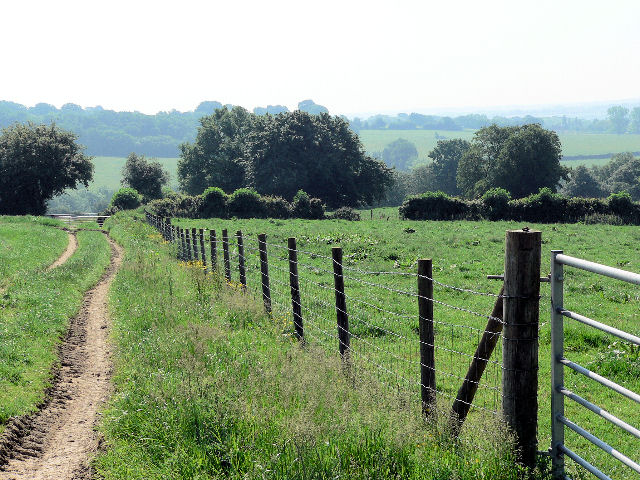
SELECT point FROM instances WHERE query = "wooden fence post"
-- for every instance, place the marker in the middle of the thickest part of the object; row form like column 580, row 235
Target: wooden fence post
column 214, row 254
column 427, row 339
column 341, row 302
column 203, row 255
column 225, row 253
column 295, row 287
column 167, row 229
column 264, row 272
column 520, row 339
column 188, row 237
column 194, row 240
column 241, row 263
column 183, row 245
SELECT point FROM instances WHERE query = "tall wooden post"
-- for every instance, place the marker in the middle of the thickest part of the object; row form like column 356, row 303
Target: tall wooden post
column 341, row 302
column 183, row 245
column 194, row 240
column 203, row 255
column 264, row 272
column 225, row 253
column 214, row 254
column 520, row 339
column 241, row 263
column 295, row 288
column 427, row 340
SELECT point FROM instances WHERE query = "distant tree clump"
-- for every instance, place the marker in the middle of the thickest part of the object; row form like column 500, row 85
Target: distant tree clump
column 125, row 199
column 582, row 183
column 311, row 107
column 446, row 157
column 619, row 118
column 146, row 177
column 38, row 162
column 400, row 154
column 519, row 159
column 277, row 155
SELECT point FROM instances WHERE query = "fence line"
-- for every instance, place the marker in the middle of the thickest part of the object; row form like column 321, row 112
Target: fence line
column 383, row 332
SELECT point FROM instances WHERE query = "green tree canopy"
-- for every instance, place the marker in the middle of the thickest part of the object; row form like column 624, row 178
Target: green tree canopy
column 583, row 184
column 400, row 154
column 281, row 154
column 519, row 159
column 446, row 157
column 146, row 177
column 38, row 162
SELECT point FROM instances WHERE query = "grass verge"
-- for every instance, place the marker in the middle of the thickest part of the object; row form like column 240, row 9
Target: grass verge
column 207, row 386
column 35, row 314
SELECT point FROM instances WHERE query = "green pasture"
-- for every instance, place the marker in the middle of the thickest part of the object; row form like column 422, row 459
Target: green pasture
column 35, row 309
column 384, row 322
column 108, row 172
column 27, row 246
column 207, row 386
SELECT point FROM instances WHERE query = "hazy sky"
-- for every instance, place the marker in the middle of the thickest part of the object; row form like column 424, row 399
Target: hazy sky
column 351, row 56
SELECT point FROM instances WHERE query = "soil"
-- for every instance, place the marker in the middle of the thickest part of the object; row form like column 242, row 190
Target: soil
column 71, row 248
column 59, row 441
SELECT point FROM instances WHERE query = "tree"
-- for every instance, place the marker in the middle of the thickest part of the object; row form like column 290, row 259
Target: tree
column 38, row 162
column 215, row 159
column 147, row 178
column 634, row 125
column 125, row 199
column 446, row 157
column 627, row 179
column 519, row 159
column 582, row 184
column 619, row 118
column 311, row 107
column 400, row 154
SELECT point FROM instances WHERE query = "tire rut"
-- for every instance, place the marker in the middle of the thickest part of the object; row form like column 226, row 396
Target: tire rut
column 60, row 439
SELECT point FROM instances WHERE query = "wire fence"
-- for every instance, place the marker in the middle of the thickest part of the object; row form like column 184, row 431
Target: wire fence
column 382, row 330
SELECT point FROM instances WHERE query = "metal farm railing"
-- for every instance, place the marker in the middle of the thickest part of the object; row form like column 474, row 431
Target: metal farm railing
column 559, row 393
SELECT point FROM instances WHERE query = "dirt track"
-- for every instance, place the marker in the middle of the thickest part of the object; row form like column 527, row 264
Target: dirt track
column 59, row 441
column 71, row 247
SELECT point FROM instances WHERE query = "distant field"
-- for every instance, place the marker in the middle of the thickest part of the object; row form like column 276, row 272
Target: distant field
column 573, row 144
column 108, row 172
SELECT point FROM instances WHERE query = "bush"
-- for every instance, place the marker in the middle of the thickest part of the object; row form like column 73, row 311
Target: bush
column 620, row 203
column 125, row 199
column 544, row 206
column 433, row 206
column 177, row 205
column 495, row 203
column 307, row 207
column 277, row 207
column 345, row 213
column 214, row 203
column 246, row 203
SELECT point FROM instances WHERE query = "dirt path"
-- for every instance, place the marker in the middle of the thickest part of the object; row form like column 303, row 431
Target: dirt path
column 59, row 441
column 71, row 247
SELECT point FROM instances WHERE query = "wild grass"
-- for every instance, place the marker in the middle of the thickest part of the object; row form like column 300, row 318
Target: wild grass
column 35, row 313
column 463, row 254
column 27, row 246
column 208, row 386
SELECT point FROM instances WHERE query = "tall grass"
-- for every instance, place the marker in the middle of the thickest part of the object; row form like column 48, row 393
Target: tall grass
column 208, row 386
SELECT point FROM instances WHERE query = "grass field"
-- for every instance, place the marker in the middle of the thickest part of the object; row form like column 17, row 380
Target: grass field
column 36, row 307
column 463, row 254
column 27, row 246
column 206, row 386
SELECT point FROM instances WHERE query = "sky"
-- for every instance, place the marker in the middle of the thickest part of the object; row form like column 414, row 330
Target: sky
column 354, row 57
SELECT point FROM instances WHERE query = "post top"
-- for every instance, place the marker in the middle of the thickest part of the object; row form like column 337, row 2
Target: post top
column 524, row 230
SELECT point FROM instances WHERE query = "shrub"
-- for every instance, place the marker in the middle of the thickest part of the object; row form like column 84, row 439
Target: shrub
column 620, row 203
column 277, row 207
column 345, row 213
column 433, row 206
column 307, row 207
column 126, row 199
column 246, row 203
column 176, row 205
column 578, row 209
column 214, row 203
column 495, row 203
column 544, row 206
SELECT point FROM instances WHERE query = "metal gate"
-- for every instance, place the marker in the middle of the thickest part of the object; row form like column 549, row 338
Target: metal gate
column 558, row 392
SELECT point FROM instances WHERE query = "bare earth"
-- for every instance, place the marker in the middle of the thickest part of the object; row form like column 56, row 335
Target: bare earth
column 59, row 441
column 72, row 247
